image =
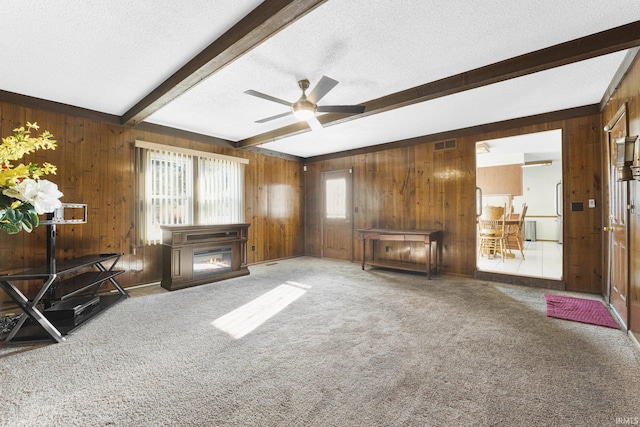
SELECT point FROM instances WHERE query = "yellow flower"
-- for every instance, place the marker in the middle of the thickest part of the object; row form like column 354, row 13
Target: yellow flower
column 48, row 168
column 14, row 147
column 21, row 189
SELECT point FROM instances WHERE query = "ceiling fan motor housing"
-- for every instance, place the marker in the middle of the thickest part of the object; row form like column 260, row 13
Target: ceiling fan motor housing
column 303, row 108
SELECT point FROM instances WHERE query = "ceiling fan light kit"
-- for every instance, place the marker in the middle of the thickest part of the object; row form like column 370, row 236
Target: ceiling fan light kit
column 306, row 107
column 303, row 108
column 303, row 111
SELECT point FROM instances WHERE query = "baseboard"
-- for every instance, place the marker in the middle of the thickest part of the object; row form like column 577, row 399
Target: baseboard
column 533, row 282
column 618, row 318
column 634, row 339
column 140, row 286
column 268, row 261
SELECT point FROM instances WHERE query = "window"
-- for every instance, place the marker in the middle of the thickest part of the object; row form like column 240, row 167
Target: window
column 179, row 186
column 168, row 191
column 220, row 191
column 336, row 198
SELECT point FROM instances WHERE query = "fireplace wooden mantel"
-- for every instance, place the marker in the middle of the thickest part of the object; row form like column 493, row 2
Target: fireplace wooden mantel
column 185, row 245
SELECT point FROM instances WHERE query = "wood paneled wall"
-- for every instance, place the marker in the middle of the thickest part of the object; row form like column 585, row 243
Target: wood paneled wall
column 418, row 187
column 412, row 186
column 96, row 166
column 629, row 92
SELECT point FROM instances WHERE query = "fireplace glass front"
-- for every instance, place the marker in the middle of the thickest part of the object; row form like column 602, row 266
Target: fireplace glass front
column 209, row 262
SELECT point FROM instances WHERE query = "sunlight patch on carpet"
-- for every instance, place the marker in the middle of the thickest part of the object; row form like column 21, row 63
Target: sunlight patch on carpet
column 245, row 319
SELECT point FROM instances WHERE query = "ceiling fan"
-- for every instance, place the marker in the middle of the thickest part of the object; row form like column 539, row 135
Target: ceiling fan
column 306, row 107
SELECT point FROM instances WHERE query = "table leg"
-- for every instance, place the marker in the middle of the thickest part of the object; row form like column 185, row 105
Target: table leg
column 364, row 254
column 428, row 244
column 437, row 250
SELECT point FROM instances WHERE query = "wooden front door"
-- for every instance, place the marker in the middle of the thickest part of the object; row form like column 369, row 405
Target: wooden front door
column 337, row 224
column 618, row 231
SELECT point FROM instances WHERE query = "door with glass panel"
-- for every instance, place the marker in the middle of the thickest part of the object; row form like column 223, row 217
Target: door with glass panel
column 337, row 224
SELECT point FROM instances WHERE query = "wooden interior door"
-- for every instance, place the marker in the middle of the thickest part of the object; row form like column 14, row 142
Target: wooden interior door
column 337, row 224
column 618, row 236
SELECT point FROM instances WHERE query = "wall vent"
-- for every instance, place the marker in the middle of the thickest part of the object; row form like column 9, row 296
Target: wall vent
column 449, row 144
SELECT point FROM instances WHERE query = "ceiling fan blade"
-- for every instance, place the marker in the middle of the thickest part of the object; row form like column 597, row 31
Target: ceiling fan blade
column 346, row 109
column 267, row 97
column 322, row 88
column 314, row 123
column 268, row 119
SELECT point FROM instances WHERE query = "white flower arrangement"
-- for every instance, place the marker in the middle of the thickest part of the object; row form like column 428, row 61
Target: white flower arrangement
column 43, row 195
column 23, row 194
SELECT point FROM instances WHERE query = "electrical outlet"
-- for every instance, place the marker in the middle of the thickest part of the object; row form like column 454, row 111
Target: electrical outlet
column 592, row 203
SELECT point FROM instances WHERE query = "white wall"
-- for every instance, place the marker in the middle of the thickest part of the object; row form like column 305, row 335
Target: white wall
column 538, row 192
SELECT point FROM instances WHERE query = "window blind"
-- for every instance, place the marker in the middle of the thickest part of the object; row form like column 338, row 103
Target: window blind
column 169, row 192
column 220, row 191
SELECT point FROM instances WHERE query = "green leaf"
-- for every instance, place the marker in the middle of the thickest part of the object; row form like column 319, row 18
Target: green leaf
column 13, row 215
column 30, row 221
column 14, row 220
column 11, row 228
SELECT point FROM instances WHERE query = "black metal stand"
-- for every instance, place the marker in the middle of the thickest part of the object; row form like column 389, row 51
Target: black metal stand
column 61, row 315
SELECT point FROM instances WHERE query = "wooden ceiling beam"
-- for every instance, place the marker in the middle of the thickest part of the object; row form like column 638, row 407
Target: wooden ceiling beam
column 266, row 20
column 598, row 44
column 505, row 125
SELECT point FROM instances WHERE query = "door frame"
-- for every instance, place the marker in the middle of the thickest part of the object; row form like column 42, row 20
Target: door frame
column 350, row 208
column 527, row 280
column 621, row 114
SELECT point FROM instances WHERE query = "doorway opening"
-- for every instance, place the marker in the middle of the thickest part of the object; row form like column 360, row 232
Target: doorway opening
column 519, row 184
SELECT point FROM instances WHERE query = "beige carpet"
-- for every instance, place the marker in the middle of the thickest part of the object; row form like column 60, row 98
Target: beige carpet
column 356, row 348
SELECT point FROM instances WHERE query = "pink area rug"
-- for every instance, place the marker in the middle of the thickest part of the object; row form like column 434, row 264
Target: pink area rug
column 579, row 310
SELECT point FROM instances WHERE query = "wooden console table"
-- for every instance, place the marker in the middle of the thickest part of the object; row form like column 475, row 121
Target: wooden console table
column 426, row 236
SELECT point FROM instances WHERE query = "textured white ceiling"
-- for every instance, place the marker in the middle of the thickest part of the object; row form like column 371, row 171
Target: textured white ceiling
column 522, row 148
column 106, row 56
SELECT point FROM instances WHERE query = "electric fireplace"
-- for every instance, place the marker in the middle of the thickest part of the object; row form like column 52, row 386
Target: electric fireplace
column 211, row 261
column 197, row 254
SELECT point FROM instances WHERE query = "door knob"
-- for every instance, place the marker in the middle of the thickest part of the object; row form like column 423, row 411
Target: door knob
column 606, row 229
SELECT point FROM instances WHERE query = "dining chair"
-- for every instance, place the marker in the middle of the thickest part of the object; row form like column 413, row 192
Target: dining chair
column 492, row 238
column 514, row 231
column 493, row 212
